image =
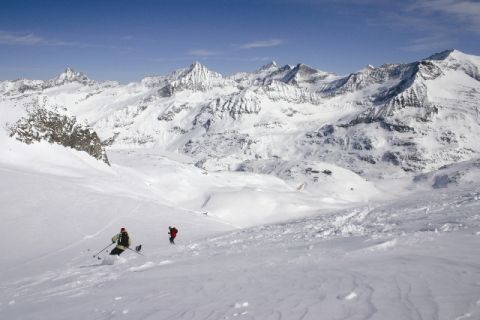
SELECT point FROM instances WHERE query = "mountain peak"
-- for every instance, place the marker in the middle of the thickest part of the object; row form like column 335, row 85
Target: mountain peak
column 302, row 72
column 196, row 77
column 70, row 75
column 367, row 68
column 452, row 54
column 305, row 69
column 303, row 66
column 197, row 69
column 441, row 55
column 271, row 65
column 457, row 60
column 197, row 65
column 457, row 56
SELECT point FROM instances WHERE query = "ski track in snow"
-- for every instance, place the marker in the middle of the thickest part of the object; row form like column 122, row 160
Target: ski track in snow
column 411, row 258
column 415, row 258
column 393, row 261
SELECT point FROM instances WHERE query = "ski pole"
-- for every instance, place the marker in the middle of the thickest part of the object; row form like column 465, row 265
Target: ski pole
column 135, row 251
column 103, row 249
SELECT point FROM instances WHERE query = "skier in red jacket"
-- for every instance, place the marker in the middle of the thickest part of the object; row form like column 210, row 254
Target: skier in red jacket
column 173, row 233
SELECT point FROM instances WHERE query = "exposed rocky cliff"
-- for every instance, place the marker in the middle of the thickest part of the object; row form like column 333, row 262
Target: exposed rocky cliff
column 45, row 125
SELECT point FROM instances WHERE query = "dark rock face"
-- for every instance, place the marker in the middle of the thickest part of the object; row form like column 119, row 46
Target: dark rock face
column 167, row 91
column 392, row 157
column 300, row 70
column 392, row 116
column 370, row 76
column 218, row 143
column 42, row 124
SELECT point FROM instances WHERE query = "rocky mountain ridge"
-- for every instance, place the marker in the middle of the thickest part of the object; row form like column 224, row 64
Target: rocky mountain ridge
column 383, row 121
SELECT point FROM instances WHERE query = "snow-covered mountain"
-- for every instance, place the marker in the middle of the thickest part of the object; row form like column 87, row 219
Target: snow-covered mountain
column 269, row 177
column 384, row 121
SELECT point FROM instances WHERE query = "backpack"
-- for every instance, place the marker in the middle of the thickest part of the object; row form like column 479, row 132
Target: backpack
column 123, row 239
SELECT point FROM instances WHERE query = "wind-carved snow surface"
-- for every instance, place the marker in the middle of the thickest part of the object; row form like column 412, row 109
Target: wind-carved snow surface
column 414, row 257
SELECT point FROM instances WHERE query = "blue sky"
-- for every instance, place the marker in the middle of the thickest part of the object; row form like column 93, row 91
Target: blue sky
column 126, row 40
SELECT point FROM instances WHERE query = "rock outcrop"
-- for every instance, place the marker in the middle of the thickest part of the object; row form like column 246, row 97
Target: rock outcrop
column 45, row 125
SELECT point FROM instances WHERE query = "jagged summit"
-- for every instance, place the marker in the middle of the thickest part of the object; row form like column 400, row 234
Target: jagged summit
column 300, row 71
column 269, row 66
column 196, row 77
column 442, row 55
column 198, row 71
column 305, row 69
column 304, row 73
column 68, row 76
column 454, row 54
column 413, row 116
column 457, row 60
column 197, row 66
column 366, row 69
column 262, row 76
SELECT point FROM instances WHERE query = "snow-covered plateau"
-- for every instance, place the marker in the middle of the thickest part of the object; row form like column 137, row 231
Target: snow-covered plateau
column 298, row 194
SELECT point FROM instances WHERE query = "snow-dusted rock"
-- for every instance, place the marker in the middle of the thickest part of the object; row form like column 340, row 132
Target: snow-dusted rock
column 54, row 127
column 69, row 76
column 379, row 121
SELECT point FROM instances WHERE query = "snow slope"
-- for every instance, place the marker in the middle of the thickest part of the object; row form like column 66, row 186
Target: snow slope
column 271, row 179
column 414, row 257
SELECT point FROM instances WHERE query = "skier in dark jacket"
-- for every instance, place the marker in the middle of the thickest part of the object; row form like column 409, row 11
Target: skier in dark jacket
column 123, row 241
column 173, row 233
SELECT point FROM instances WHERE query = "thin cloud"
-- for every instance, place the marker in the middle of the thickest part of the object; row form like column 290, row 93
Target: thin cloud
column 439, row 22
column 428, row 44
column 400, row 20
column 30, row 39
column 262, row 44
column 261, row 59
column 20, row 39
column 432, row 16
column 202, row 53
column 326, row 2
column 464, row 11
